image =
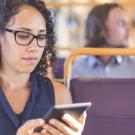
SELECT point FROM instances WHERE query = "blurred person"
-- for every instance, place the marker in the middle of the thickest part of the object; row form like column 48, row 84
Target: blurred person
column 106, row 27
column 27, row 39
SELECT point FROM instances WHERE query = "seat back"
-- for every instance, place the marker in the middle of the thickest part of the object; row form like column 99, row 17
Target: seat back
column 92, row 51
column 58, row 68
column 113, row 105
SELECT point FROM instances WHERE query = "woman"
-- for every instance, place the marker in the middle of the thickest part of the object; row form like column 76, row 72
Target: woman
column 26, row 40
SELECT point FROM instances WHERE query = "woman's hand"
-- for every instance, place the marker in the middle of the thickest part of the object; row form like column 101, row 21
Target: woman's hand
column 28, row 127
column 55, row 127
column 72, row 126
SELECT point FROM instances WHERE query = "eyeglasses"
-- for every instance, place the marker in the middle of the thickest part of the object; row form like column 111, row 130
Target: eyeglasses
column 25, row 38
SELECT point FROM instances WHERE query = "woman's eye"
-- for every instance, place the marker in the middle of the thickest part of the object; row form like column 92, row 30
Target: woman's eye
column 23, row 36
column 41, row 37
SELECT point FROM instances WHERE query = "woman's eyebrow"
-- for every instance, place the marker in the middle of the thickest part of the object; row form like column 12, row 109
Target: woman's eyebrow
column 27, row 29
column 43, row 30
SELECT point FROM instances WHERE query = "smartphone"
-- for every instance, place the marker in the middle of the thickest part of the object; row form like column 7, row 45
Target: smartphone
column 56, row 111
column 75, row 110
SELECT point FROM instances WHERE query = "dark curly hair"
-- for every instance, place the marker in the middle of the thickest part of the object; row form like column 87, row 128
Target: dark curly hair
column 9, row 8
column 96, row 24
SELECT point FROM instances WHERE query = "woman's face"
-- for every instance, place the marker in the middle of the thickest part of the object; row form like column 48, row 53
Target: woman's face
column 117, row 28
column 18, row 57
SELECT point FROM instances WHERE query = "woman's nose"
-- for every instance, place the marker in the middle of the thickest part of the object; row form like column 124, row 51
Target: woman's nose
column 33, row 46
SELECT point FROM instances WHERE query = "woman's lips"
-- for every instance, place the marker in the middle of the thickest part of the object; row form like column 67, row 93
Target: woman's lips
column 30, row 60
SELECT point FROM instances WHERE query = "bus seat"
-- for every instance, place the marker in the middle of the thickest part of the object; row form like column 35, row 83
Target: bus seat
column 113, row 105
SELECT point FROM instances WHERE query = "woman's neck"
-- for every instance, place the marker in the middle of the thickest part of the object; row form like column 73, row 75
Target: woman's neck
column 14, row 81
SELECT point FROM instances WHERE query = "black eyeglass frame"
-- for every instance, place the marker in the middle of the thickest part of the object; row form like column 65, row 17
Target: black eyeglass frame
column 14, row 32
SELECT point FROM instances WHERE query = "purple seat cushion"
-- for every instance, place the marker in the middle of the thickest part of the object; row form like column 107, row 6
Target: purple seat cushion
column 113, row 105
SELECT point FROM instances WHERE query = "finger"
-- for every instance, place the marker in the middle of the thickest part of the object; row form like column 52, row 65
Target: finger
column 62, row 127
column 82, row 119
column 34, row 123
column 35, row 134
column 72, row 122
column 27, row 128
column 45, row 132
column 52, row 130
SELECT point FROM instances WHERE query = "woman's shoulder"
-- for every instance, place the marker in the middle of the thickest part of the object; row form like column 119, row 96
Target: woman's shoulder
column 62, row 94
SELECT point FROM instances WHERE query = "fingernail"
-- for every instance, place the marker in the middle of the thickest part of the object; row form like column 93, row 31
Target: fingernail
column 41, row 121
column 43, row 131
column 46, row 126
column 66, row 115
column 52, row 121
